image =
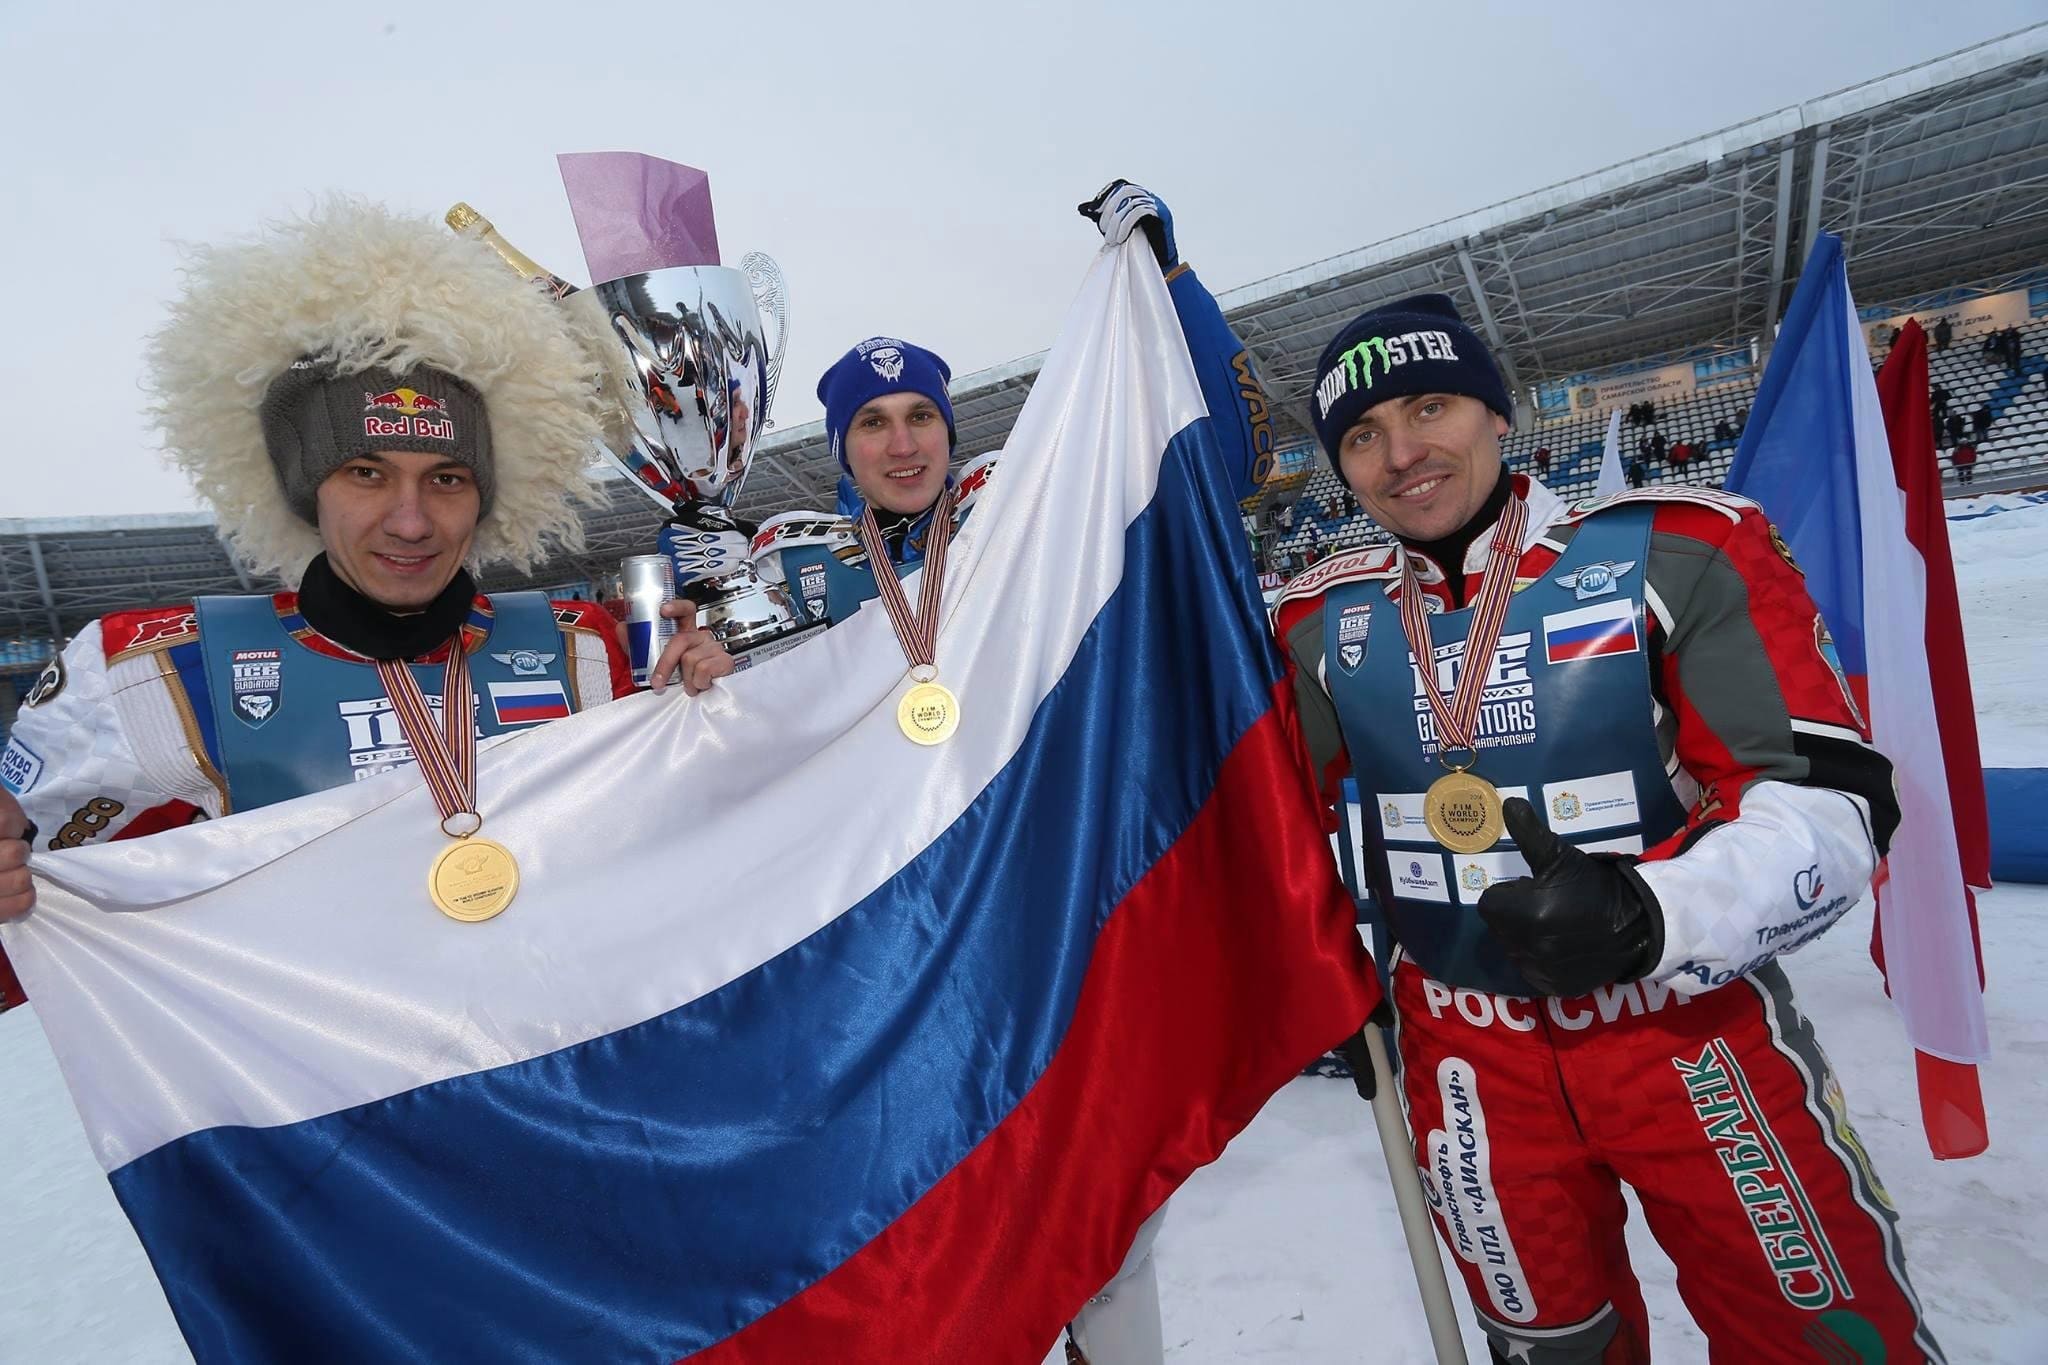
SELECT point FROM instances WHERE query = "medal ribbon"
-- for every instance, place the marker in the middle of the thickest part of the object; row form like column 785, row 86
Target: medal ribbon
column 447, row 756
column 919, row 634
column 1455, row 719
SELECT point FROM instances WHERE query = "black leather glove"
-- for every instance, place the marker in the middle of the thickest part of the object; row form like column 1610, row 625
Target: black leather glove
column 1578, row 920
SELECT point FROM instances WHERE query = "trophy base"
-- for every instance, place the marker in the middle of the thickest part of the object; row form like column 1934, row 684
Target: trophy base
column 751, row 617
column 781, row 644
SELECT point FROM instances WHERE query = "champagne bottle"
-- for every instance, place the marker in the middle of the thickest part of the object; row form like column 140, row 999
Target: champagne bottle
column 469, row 223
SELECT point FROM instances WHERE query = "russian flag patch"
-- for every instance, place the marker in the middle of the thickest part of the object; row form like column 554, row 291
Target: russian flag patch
column 1591, row 632
column 529, row 702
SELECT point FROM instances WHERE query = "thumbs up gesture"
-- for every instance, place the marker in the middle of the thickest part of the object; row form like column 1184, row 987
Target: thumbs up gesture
column 1578, row 920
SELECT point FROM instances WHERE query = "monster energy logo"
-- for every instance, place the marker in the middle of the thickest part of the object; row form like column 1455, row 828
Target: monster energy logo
column 1374, row 357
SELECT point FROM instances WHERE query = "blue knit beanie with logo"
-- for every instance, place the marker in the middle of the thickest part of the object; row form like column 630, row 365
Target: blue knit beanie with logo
column 874, row 368
column 1411, row 346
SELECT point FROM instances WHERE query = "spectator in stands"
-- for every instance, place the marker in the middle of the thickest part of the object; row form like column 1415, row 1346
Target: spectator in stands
column 1351, row 507
column 1636, row 474
column 2003, row 345
column 1980, row 419
column 1943, row 334
column 1953, row 428
column 1643, row 448
column 1649, row 413
column 1681, row 456
column 1741, row 418
column 1964, row 458
column 1541, row 457
column 1939, row 397
column 1657, row 446
column 1723, row 430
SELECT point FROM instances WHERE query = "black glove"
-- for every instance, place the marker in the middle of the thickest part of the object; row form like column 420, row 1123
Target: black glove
column 1355, row 1055
column 1578, row 920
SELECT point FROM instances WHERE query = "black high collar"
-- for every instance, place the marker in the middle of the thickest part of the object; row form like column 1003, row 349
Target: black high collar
column 1449, row 551
column 355, row 622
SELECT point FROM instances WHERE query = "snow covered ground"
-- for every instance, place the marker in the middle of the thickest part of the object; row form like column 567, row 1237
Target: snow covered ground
column 1288, row 1249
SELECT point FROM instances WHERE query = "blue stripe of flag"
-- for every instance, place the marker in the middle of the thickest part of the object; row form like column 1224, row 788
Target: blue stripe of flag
column 727, row 1154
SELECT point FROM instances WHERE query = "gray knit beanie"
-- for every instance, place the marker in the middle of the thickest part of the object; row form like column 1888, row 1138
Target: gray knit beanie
column 316, row 420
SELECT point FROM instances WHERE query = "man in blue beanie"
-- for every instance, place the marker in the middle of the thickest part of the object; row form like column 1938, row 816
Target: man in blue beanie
column 890, row 423
column 1589, row 845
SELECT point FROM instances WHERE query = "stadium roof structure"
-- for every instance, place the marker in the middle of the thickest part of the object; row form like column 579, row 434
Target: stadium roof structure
column 1936, row 177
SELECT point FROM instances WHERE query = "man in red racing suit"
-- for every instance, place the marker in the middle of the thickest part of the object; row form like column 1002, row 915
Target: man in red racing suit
column 1593, row 998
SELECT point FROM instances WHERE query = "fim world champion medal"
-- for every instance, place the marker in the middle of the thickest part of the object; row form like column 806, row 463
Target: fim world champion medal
column 1461, row 809
column 928, row 713
column 1463, row 812
column 473, row 878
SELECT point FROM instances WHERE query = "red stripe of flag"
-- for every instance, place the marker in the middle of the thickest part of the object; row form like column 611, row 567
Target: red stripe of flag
column 1198, row 1005
column 1951, row 1100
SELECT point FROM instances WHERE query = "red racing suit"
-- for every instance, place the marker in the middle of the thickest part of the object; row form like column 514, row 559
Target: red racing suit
column 1701, row 1085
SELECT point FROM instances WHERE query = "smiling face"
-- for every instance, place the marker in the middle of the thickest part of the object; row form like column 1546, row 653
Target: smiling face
column 897, row 448
column 1423, row 465
column 398, row 524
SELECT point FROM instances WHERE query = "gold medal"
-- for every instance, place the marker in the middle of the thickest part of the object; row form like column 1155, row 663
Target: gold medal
column 1462, row 812
column 473, row 879
column 929, row 713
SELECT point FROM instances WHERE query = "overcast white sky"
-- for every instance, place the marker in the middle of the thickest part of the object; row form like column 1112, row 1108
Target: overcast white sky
column 912, row 166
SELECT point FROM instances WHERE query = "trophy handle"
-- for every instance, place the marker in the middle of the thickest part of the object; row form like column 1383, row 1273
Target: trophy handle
column 764, row 277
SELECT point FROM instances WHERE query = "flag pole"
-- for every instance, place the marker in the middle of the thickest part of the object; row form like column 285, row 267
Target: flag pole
column 1416, row 1223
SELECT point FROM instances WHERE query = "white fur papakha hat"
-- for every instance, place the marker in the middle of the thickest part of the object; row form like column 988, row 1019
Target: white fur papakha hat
column 358, row 287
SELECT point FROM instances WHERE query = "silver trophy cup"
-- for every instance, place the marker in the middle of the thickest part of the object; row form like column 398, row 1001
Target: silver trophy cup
column 703, row 352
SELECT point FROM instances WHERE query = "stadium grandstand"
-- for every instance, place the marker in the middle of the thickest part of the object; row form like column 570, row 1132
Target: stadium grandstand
column 1657, row 281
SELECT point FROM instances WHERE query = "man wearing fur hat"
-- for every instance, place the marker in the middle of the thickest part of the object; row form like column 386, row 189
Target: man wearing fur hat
column 1627, row 776
column 371, row 405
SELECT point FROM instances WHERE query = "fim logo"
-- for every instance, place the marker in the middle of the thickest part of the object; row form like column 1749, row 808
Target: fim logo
column 525, row 663
column 1594, row 580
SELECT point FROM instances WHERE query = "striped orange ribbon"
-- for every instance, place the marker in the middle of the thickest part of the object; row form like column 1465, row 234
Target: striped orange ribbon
column 448, row 756
column 1455, row 718
column 919, row 633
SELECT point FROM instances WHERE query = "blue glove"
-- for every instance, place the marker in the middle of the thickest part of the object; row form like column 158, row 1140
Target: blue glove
column 1122, row 206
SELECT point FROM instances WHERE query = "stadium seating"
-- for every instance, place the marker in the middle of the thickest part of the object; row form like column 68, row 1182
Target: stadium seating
column 2014, row 451
column 1574, row 444
column 2018, row 437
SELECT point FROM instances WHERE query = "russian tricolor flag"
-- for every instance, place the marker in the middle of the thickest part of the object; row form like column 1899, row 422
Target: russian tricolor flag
column 800, row 1042
column 528, row 701
column 1591, row 632
column 1850, row 478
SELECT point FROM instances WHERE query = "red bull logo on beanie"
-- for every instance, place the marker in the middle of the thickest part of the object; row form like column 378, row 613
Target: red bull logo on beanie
column 408, row 409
